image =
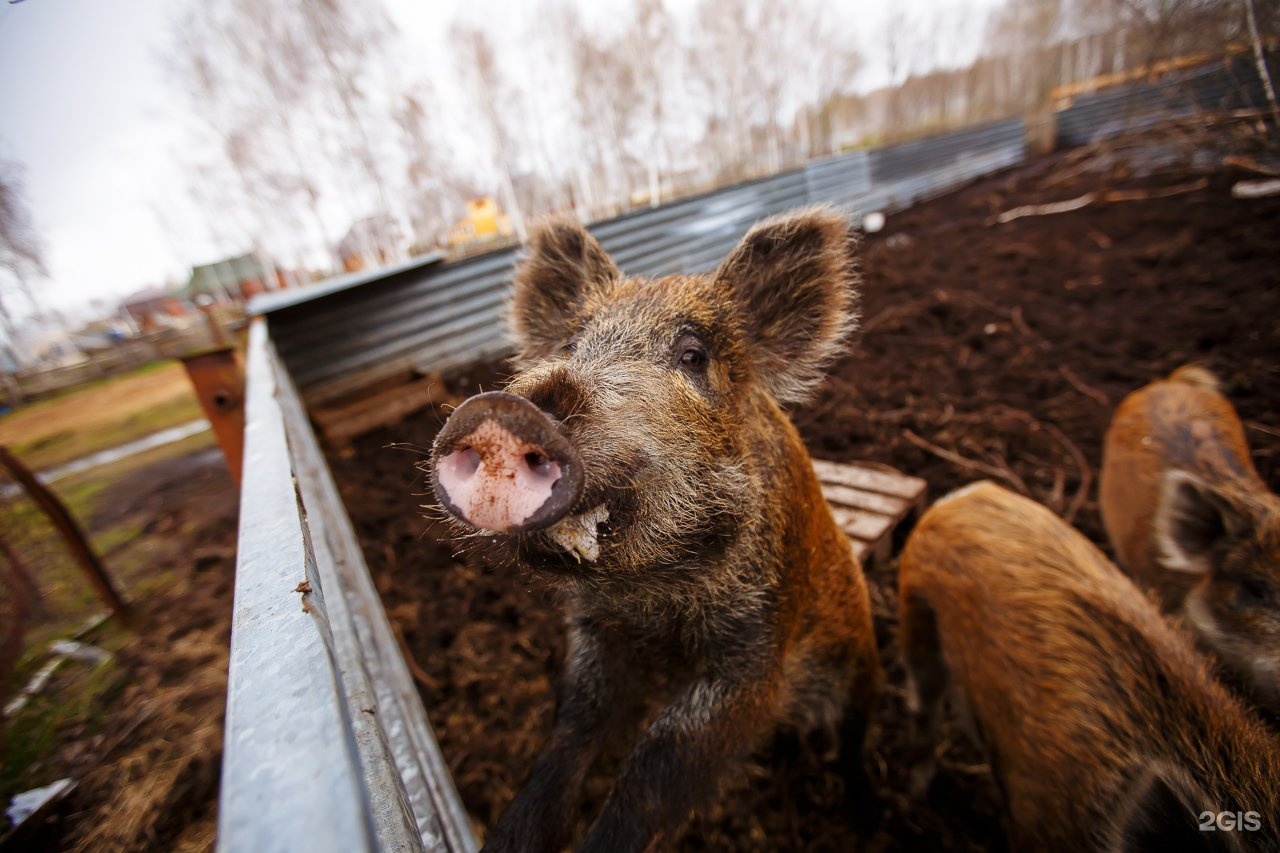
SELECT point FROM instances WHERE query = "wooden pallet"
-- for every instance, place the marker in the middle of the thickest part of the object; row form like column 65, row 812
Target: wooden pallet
column 341, row 423
column 869, row 502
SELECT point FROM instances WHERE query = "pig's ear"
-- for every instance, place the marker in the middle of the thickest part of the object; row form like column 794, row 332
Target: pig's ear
column 794, row 280
column 562, row 265
column 1160, row 810
column 1192, row 518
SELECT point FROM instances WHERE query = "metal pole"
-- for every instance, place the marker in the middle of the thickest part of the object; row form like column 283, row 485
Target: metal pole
column 219, row 385
column 71, row 533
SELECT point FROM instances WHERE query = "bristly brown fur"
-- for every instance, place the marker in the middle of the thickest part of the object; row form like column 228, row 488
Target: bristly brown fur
column 1097, row 714
column 1189, row 516
column 720, row 571
column 1195, row 374
column 562, row 264
column 795, row 281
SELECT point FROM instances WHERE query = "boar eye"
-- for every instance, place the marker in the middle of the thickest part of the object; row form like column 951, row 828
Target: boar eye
column 1253, row 593
column 689, row 356
column 693, row 359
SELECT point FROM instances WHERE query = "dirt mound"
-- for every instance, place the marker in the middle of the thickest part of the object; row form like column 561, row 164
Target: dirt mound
column 988, row 351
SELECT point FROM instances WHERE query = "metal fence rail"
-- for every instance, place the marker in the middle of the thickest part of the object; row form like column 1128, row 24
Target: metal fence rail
column 327, row 745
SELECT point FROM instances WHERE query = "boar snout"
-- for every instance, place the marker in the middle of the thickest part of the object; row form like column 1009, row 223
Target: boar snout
column 501, row 464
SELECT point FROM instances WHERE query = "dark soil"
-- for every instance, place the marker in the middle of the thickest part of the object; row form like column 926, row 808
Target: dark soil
column 988, row 351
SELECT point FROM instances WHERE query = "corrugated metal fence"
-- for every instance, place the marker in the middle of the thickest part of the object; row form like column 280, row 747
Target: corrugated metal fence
column 442, row 316
column 1220, row 87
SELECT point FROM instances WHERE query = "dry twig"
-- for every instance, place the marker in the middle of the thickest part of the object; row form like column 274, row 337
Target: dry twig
column 1108, row 197
column 1250, row 165
column 1087, row 390
column 1001, row 473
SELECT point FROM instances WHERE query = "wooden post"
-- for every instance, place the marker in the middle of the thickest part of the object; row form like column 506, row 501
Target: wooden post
column 219, row 385
column 71, row 533
column 211, row 320
column 21, row 575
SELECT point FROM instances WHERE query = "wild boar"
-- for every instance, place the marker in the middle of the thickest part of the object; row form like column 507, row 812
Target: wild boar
column 1103, row 724
column 641, row 463
column 1189, row 517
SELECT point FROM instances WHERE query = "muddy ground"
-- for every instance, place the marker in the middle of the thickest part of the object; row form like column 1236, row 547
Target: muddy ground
column 988, row 350
column 147, row 752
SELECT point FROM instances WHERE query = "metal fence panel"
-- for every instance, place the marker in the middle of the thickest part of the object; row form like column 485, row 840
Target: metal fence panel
column 287, row 726
column 406, row 776
column 1134, row 106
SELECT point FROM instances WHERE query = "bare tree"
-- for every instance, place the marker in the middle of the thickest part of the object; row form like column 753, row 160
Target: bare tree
column 284, row 91
column 1163, row 29
column 433, row 191
column 824, row 67
column 496, row 103
column 1024, row 31
column 651, row 40
column 21, row 249
column 347, row 40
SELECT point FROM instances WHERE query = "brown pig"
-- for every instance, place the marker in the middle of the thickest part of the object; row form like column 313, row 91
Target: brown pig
column 641, row 463
column 1104, row 727
column 1189, row 516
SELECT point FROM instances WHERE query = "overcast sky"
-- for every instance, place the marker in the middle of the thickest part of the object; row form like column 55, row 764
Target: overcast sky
column 85, row 107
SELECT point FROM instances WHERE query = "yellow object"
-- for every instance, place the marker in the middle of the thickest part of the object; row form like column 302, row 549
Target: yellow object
column 484, row 221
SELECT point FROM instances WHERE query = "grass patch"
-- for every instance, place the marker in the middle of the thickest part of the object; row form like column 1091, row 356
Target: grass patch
column 100, row 415
column 141, row 557
column 157, row 366
column 60, row 447
column 67, row 595
column 72, row 699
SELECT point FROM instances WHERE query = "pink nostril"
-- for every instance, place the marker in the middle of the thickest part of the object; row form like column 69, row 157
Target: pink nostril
column 541, row 466
column 462, row 463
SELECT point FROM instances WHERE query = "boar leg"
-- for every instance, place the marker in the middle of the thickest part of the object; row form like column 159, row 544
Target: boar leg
column 926, row 685
column 588, row 705
column 859, row 793
column 677, row 763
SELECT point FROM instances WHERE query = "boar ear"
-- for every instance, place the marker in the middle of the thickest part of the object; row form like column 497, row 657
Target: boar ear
column 1192, row 517
column 793, row 280
column 563, row 263
column 1162, row 810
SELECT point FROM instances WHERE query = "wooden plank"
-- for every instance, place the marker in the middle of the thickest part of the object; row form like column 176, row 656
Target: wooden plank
column 862, row 525
column 869, row 504
column 864, row 500
column 341, row 424
column 871, row 480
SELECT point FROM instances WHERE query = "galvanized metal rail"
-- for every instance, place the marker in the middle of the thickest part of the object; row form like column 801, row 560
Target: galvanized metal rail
column 327, row 744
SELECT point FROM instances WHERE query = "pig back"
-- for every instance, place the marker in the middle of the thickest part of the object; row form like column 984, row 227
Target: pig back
column 1180, row 423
